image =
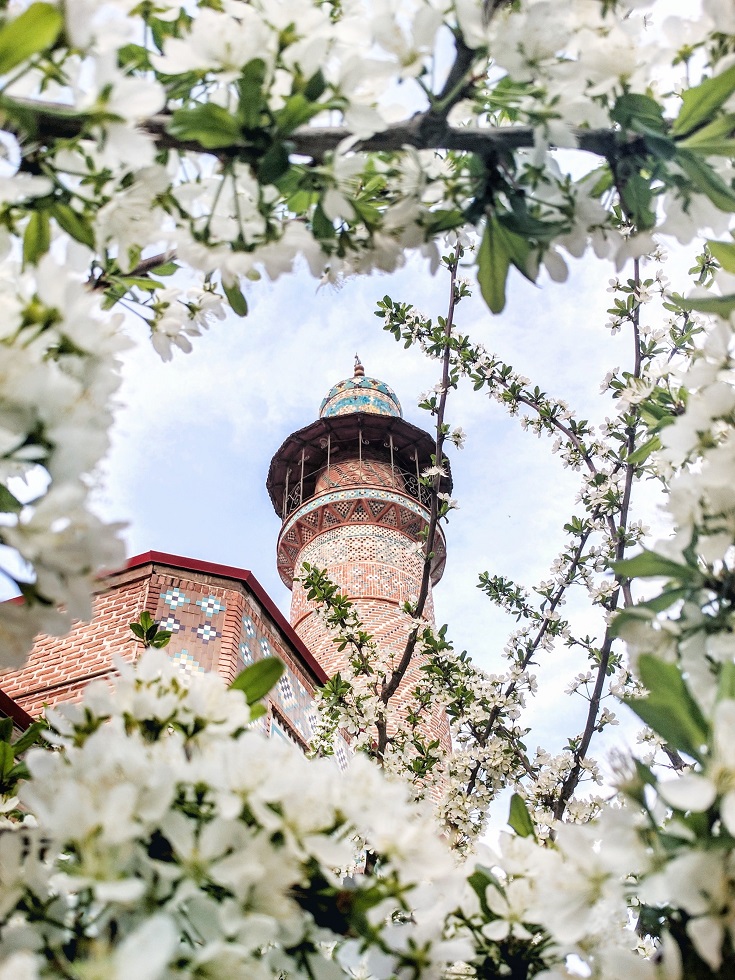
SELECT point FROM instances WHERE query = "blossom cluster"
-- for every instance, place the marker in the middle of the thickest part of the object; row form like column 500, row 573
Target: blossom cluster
column 218, row 143
column 167, row 836
column 164, row 835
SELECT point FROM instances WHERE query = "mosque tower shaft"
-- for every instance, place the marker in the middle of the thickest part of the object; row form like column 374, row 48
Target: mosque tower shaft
column 349, row 492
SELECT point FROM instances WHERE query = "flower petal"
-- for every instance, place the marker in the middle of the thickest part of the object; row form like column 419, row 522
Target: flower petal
column 688, row 792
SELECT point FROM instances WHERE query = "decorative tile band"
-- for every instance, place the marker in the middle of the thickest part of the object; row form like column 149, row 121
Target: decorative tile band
column 355, row 493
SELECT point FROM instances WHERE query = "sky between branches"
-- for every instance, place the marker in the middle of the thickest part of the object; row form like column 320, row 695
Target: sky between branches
column 192, row 445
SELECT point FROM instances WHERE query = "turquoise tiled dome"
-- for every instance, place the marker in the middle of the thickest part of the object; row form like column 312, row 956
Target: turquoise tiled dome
column 361, row 394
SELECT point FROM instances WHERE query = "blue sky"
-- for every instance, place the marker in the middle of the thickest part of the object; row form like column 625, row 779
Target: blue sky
column 193, row 443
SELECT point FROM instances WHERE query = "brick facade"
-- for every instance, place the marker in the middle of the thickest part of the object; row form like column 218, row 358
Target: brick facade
column 221, row 620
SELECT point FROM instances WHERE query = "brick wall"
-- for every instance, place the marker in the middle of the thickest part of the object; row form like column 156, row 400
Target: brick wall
column 219, row 623
column 59, row 667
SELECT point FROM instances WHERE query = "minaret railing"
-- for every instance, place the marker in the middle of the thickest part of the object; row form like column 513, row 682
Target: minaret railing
column 403, row 481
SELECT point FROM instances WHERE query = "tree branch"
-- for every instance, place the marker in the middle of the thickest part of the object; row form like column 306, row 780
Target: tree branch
column 391, row 686
column 426, row 130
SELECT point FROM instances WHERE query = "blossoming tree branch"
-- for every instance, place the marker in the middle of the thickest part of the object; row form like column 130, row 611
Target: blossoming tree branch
column 221, row 142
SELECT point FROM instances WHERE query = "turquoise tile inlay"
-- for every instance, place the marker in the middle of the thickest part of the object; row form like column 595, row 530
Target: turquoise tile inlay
column 186, row 662
column 171, row 623
column 176, row 598
column 205, row 632
column 211, row 606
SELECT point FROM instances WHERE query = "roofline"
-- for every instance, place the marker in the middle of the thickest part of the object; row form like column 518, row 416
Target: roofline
column 247, row 578
column 311, row 436
column 12, row 709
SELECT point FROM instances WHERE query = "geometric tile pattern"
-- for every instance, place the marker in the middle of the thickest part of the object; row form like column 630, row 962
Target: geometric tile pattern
column 210, row 606
column 196, row 619
column 206, row 632
column 291, row 698
column 187, row 663
column 372, row 507
column 360, row 394
column 245, row 655
column 193, row 616
column 170, row 623
column 175, row 598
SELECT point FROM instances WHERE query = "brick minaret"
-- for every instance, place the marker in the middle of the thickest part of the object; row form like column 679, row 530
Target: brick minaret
column 348, row 491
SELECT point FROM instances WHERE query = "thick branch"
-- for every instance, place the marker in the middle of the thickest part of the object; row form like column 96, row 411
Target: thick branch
column 426, row 130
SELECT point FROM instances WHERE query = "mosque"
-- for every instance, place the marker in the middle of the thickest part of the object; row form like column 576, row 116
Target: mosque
column 348, row 490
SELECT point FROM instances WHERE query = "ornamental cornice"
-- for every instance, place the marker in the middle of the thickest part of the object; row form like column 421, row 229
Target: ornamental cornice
column 354, row 506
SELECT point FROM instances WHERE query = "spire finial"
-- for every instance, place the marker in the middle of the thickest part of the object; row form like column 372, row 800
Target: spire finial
column 359, row 369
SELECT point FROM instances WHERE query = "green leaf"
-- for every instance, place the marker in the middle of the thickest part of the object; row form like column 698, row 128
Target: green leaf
column 493, row 264
column 9, row 503
column 517, row 244
column 665, row 600
column 141, row 282
column 519, row 818
column 273, row 164
column 7, row 759
column 714, row 139
column 662, row 147
column 208, row 124
column 706, row 181
column 479, row 880
column 726, row 686
column 259, row 678
column 36, row 29
column 642, row 611
column 637, row 199
column 6, row 729
column 165, row 269
column 700, row 102
column 161, row 639
column 257, row 711
column 442, row 220
column 235, row 298
column 724, row 252
column 321, row 225
column 650, row 565
column 639, row 112
column 145, row 619
column 37, row 237
column 314, row 88
column 30, row 736
column 296, row 111
column 717, row 305
column 72, row 223
column 523, row 225
column 138, row 630
column 641, row 454
column 250, row 91
column 669, row 708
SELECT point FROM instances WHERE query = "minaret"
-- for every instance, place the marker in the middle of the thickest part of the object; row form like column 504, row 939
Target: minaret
column 348, row 490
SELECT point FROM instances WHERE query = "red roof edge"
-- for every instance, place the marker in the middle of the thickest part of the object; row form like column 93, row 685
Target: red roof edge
column 247, row 578
column 11, row 709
